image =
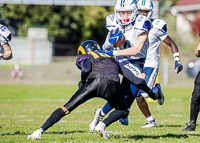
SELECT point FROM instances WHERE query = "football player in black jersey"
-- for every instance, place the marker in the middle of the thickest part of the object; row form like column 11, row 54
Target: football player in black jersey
column 99, row 78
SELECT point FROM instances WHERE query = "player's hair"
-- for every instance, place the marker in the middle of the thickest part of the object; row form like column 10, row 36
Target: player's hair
column 88, row 46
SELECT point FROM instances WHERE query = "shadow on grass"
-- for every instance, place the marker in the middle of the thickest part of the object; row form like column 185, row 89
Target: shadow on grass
column 142, row 137
column 24, row 133
column 163, row 126
column 70, row 132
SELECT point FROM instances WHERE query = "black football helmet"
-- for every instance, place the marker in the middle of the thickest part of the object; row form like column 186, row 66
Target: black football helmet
column 88, row 46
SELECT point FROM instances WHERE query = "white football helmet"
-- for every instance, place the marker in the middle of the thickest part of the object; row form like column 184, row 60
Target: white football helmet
column 146, row 5
column 125, row 5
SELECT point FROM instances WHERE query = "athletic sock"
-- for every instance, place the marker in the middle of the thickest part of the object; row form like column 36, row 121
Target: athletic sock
column 107, row 107
column 55, row 117
column 113, row 116
column 150, row 118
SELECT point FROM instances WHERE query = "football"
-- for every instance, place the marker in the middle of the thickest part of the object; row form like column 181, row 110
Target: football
column 120, row 42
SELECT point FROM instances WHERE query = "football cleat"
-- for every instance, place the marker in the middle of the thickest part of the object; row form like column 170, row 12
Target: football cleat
column 190, row 126
column 36, row 135
column 150, row 124
column 124, row 121
column 95, row 121
column 161, row 97
column 101, row 130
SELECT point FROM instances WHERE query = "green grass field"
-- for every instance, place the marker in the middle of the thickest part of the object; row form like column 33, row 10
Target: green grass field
column 25, row 108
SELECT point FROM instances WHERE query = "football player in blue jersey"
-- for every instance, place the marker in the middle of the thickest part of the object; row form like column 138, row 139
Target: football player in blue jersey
column 195, row 100
column 150, row 68
column 5, row 37
column 157, row 34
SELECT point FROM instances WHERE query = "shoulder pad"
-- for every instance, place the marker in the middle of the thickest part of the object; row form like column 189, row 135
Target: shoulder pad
column 160, row 24
column 143, row 23
column 111, row 21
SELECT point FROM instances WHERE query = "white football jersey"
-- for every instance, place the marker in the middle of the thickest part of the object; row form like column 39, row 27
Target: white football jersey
column 156, row 34
column 131, row 32
column 5, row 35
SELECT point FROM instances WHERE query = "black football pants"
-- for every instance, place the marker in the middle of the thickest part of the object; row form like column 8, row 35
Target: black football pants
column 195, row 100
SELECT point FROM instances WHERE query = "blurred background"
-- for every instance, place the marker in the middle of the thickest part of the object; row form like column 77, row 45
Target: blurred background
column 47, row 33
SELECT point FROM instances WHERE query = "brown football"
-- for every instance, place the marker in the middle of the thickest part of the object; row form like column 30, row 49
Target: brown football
column 120, row 42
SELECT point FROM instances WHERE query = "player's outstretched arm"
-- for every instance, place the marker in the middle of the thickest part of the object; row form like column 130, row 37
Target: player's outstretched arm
column 7, row 55
column 175, row 51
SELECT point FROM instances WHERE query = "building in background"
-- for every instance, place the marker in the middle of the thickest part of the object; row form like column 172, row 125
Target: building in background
column 31, row 50
column 187, row 14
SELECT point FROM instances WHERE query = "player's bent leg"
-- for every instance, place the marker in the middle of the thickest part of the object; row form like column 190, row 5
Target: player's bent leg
column 54, row 117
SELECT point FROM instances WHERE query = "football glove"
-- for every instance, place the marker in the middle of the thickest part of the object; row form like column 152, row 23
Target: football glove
column 116, row 36
column 178, row 65
column 80, row 83
column 108, row 52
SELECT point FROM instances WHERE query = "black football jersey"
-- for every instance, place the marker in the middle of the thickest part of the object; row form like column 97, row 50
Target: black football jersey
column 102, row 66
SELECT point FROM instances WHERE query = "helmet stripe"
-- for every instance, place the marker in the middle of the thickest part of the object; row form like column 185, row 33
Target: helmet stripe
column 82, row 50
column 143, row 2
column 122, row 3
column 152, row 4
column 134, row 1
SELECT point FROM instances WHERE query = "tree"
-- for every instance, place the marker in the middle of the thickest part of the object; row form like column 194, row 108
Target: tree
column 74, row 23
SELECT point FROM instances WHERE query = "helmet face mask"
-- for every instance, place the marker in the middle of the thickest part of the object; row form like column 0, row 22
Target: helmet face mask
column 88, row 46
column 125, row 11
column 145, row 5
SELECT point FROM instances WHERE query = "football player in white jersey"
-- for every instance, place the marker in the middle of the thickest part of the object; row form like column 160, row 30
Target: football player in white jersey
column 5, row 37
column 132, row 54
column 157, row 34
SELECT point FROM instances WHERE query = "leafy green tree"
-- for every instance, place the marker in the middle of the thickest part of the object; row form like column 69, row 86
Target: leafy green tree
column 73, row 23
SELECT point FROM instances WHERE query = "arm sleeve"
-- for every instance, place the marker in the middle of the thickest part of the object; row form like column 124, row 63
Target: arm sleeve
column 85, row 70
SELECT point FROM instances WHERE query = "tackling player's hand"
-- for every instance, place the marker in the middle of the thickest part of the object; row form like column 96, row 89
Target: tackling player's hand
column 116, row 36
column 108, row 52
column 178, row 65
column 80, row 83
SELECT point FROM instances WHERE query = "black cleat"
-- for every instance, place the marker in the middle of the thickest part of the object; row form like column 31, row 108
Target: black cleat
column 190, row 126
